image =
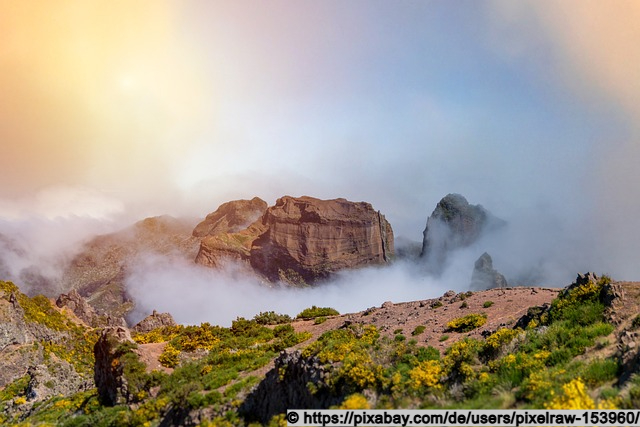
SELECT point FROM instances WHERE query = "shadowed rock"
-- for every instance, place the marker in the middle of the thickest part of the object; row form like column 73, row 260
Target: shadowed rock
column 454, row 224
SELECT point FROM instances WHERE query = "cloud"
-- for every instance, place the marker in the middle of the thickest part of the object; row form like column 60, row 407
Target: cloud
column 195, row 294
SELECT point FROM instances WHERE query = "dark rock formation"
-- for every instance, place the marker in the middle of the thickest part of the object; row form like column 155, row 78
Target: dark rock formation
column 113, row 387
column 288, row 385
column 453, row 224
column 231, row 217
column 303, row 240
column 484, row 276
column 153, row 321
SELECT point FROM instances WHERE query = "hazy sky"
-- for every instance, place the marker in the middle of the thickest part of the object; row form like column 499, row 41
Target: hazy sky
column 531, row 108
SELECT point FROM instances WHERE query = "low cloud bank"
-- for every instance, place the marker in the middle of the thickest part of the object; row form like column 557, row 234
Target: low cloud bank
column 195, row 294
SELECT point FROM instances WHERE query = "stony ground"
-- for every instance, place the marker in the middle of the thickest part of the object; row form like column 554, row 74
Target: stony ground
column 503, row 308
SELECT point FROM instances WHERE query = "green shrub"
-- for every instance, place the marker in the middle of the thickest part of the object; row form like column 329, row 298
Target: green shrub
column 418, row 330
column 400, row 338
column 464, row 305
column 313, row 312
column 600, row 371
column 487, row 304
column 436, row 304
column 271, row 318
column 443, row 338
column 467, row 323
column 319, row 320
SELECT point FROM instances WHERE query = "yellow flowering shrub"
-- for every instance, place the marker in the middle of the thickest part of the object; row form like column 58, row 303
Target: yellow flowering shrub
column 426, row 374
column 169, row 357
column 500, row 338
column 574, row 396
column 355, row 401
column 467, row 323
column 358, row 369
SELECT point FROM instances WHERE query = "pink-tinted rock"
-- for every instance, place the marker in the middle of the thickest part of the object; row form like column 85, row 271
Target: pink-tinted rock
column 303, row 240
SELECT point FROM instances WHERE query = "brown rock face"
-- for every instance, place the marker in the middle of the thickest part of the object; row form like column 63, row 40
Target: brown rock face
column 231, row 217
column 303, row 240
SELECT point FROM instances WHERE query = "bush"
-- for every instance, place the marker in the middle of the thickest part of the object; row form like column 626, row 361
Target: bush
column 319, row 320
column 313, row 312
column 467, row 323
column 487, row 304
column 271, row 318
column 169, row 357
column 418, row 330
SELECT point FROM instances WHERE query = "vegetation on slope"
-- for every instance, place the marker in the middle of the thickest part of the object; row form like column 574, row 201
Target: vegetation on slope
column 540, row 366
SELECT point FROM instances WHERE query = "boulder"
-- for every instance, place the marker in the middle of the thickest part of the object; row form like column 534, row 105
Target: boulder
column 453, row 224
column 231, row 217
column 79, row 306
column 484, row 276
column 153, row 321
column 303, row 240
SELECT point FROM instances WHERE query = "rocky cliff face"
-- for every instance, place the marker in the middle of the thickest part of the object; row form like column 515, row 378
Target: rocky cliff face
column 303, row 240
column 453, row 224
column 231, row 217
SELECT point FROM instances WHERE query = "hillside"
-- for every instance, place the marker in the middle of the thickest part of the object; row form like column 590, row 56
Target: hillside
column 502, row 348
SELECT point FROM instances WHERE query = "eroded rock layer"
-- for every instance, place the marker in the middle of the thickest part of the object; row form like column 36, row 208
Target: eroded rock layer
column 303, row 240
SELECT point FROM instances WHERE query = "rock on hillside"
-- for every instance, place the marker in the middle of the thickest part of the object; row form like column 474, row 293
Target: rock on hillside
column 98, row 271
column 303, row 240
column 153, row 321
column 485, row 276
column 41, row 346
column 453, row 224
column 231, row 217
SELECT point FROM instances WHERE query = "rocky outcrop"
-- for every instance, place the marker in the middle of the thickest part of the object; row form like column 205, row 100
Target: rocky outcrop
column 113, row 386
column 79, row 306
column 454, row 224
column 289, row 385
column 99, row 270
column 485, row 276
column 59, row 379
column 153, row 321
column 303, row 240
column 231, row 217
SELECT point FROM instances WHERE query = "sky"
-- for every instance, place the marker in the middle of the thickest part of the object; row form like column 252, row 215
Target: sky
column 113, row 111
